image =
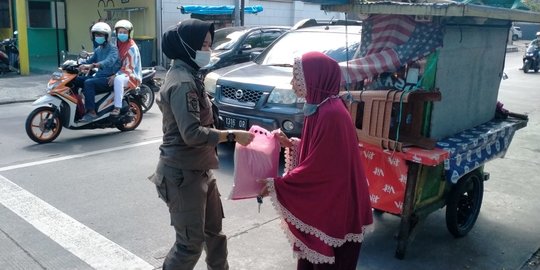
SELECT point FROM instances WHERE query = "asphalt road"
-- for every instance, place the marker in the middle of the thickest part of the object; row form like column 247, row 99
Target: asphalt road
column 83, row 202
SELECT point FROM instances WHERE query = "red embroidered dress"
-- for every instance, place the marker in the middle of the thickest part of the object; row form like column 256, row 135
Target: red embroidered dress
column 324, row 200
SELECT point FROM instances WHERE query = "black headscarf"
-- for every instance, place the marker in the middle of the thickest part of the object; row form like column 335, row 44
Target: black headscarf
column 193, row 32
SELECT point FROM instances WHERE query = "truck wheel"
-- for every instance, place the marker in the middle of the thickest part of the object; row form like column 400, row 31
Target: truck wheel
column 43, row 125
column 514, row 37
column 463, row 203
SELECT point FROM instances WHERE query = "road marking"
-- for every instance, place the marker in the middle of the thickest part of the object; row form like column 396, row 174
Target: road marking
column 24, row 165
column 90, row 246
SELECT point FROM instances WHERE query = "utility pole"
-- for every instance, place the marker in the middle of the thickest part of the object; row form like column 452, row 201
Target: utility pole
column 242, row 7
column 237, row 8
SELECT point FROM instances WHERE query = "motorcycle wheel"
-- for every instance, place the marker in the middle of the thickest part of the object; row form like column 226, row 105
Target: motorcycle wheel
column 526, row 66
column 136, row 110
column 42, row 125
column 147, row 98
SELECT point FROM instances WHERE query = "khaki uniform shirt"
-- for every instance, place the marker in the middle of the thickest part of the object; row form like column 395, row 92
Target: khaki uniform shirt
column 189, row 139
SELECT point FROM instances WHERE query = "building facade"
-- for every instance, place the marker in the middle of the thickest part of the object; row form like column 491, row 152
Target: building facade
column 51, row 29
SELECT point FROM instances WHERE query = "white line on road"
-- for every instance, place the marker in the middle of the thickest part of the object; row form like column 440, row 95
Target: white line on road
column 90, row 246
column 24, row 165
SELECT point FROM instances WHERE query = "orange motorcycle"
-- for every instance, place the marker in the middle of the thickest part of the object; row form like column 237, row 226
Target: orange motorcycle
column 63, row 106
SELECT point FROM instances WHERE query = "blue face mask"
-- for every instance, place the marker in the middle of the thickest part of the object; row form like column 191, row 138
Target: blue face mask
column 310, row 109
column 123, row 37
column 100, row 40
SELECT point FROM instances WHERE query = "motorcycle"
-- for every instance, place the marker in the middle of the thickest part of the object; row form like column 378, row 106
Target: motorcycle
column 63, row 106
column 530, row 59
column 9, row 55
column 149, row 85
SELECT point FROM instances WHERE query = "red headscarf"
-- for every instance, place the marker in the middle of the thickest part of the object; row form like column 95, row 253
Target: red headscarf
column 324, row 201
column 123, row 48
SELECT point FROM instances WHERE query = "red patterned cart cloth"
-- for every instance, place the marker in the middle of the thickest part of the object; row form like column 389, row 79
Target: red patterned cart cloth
column 386, row 172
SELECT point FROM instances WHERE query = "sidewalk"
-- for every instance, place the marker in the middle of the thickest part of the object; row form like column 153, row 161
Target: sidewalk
column 17, row 88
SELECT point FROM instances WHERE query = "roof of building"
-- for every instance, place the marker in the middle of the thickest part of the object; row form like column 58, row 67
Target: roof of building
column 444, row 9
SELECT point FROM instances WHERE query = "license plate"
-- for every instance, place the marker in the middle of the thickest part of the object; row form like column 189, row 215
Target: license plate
column 235, row 123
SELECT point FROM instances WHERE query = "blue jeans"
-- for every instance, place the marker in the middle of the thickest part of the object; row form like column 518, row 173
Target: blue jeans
column 89, row 86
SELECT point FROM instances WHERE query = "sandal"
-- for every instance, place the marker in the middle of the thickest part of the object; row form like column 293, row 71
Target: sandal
column 115, row 112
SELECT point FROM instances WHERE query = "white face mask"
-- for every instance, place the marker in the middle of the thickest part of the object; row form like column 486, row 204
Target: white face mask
column 202, row 58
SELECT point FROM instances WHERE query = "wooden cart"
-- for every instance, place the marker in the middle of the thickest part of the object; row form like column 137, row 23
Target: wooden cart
column 425, row 147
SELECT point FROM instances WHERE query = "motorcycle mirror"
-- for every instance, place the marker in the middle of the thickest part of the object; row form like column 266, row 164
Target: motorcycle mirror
column 82, row 47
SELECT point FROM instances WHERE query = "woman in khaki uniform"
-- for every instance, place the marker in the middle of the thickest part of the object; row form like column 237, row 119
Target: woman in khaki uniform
column 183, row 177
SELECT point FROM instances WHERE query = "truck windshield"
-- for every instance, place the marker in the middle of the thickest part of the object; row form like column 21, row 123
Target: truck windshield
column 293, row 44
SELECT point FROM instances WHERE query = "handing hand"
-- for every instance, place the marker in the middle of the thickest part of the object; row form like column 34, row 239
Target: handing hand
column 264, row 191
column 243, row 137
column 282, row 137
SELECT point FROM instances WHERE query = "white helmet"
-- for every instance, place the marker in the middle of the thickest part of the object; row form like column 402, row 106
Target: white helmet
column 123, row 24
column 537, row 34
column 102, row 28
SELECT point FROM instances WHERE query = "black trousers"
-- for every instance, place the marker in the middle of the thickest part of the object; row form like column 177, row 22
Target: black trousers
column 196, row 215
column 346, row 259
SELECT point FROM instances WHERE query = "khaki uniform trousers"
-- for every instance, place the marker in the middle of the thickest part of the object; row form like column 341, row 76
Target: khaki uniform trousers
column 196, row 215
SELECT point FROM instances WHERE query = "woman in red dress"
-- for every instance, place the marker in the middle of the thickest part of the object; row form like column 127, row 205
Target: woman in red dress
column 323, row 201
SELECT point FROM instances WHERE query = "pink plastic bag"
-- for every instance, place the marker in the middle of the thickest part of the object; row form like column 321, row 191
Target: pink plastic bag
column 258, row 160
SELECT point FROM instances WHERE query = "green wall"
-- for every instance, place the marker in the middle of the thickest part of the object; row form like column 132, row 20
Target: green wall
column 81, row 14
column 5, row 33
column 43, row 41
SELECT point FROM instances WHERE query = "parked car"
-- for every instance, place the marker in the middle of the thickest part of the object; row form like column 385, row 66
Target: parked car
column 259, row 92
column 233, row 45
column 516, row 33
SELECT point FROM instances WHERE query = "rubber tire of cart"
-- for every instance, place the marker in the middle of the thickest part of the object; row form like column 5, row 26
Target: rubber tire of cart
column 463, row 203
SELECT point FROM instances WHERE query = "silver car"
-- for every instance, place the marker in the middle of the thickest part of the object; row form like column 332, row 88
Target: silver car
column 259, row 92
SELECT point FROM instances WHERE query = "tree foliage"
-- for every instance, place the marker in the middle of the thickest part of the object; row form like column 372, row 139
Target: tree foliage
column 532, row 4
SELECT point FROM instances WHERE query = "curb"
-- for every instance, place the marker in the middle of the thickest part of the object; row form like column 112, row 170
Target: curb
column 512, row 49
column 11, row 101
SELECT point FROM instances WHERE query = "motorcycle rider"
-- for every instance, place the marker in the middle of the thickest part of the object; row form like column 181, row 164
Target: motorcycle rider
column 130, row 74
column 105, row 58
column 536, row 41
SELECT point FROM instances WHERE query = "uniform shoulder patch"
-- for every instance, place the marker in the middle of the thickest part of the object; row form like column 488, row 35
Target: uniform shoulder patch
column 192, row 101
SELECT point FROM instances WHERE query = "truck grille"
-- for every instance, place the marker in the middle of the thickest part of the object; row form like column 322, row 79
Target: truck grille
column 242, row 96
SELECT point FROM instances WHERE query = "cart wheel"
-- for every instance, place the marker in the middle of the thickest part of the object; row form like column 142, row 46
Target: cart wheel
column 463, row 204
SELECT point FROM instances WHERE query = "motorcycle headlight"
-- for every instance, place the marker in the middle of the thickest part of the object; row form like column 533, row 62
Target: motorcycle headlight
column 51, row 85
column 284, row 95
column 210, row 82
column 56, row 75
